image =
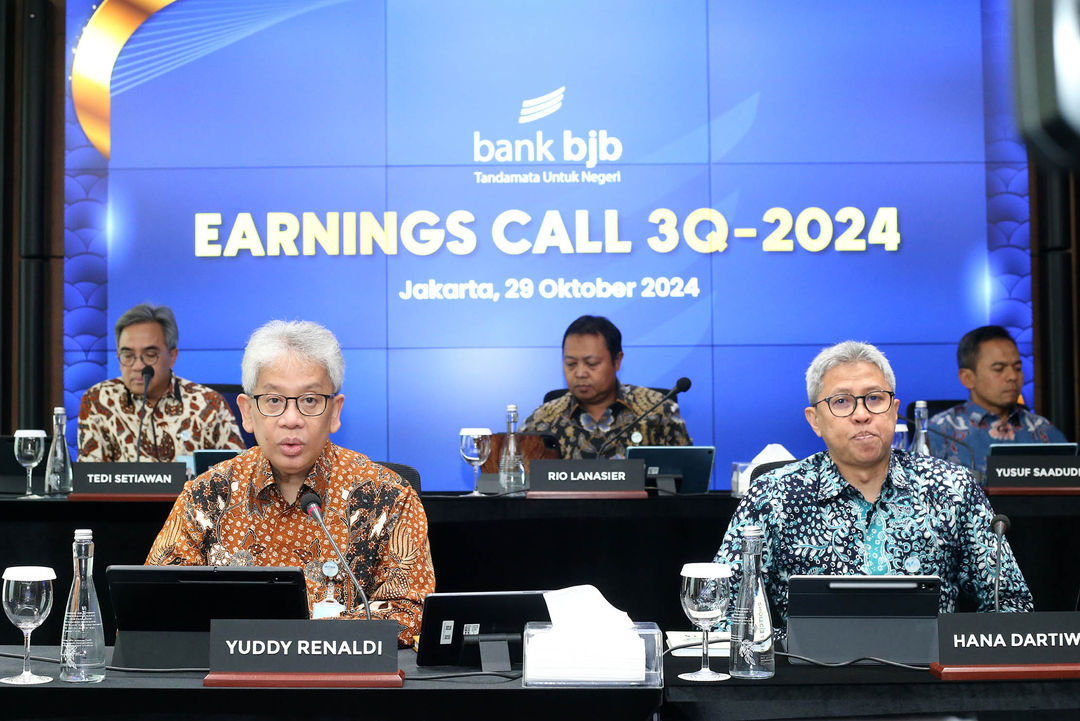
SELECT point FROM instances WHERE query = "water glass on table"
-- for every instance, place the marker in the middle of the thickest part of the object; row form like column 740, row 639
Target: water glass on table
column 705, row 597
column 475, row 449
column 28, row 598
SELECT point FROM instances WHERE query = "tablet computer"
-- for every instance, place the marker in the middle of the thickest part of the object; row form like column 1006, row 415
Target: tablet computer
column 689, row 467
column 843, row 618
column 206, row 458
column 163, row 613
column 458, row 629
column 1032, row 449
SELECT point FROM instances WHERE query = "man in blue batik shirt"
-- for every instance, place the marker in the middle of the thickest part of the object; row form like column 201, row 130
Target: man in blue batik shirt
column 990, row 369
column 860, row 507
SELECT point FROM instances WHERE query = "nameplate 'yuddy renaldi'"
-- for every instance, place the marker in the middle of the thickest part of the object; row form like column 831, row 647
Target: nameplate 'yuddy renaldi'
column 590, row 478
column 299, row 653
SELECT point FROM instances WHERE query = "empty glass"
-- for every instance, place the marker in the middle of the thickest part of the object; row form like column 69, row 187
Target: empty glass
column 28, row 597
column 475, row 449
column 705, row 598
column 29, row 448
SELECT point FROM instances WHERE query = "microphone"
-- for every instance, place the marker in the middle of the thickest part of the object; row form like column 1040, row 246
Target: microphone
column 979, row 475
column 311, row 504
column 681, row 386
column 999, row 524
column 147, row 376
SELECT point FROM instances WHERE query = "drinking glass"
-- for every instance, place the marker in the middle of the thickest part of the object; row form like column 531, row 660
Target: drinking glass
column 29, row 448
column 475, row 449
column 705, row 598
column 28, row 597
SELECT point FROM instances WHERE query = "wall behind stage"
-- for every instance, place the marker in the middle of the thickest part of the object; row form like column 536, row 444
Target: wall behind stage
column 448, row 185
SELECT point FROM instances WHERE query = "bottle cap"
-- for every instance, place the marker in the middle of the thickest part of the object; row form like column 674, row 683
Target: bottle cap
column 511, row 408
column 60, row 409
column 752, row 532
column 920, row 404
column 84, row 534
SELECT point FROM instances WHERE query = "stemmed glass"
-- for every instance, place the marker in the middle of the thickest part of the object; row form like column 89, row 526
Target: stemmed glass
column 475, row 449
column 28, row 597
column 705, row 598
column 29, row 448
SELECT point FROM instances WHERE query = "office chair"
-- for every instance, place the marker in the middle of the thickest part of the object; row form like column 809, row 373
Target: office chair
column 408, row 474
column 230, row 391
column 762, row 468
column 933, row 406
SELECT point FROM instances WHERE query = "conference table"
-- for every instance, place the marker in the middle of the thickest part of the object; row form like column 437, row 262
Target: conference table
column 630, row 549
column 181, row 695
column 795, row 692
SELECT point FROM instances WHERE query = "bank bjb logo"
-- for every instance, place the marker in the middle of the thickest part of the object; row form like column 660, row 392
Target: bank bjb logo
column 592, row 147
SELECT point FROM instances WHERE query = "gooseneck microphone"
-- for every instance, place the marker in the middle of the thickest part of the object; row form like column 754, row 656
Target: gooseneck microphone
column 999, row 524
column 147, row 376
column 980, row 477
column 311, row 504
column 681, row 386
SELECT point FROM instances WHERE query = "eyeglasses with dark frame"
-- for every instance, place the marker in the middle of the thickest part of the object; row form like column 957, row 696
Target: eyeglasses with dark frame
column 843, row 405
column 272, row 405
column 148, row 357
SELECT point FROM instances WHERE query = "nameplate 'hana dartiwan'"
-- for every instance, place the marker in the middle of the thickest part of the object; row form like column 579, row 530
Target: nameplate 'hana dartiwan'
column 999, row 639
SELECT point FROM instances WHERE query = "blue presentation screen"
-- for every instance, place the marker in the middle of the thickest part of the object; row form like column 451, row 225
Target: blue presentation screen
column 447, row 186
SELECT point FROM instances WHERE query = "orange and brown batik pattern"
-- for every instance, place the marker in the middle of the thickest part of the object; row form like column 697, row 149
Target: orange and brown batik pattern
column 187, row 418
column 234, row 515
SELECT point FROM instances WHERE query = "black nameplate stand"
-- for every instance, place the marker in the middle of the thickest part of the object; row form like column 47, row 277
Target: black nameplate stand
column 1006, row 646
column 127, row 481
column 290, row 666
column 594, row 478
column 1032, row 475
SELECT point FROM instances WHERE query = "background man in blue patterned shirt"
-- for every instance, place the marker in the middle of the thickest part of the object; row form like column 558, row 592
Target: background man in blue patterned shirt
column 990, row 369
column 860, row 507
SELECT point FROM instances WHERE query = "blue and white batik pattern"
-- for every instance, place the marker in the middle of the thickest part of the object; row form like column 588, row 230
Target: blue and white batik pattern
column 930, row 519
column 978, row 428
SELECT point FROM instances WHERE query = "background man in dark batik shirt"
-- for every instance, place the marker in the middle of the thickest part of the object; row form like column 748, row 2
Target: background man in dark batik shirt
column 598, row 406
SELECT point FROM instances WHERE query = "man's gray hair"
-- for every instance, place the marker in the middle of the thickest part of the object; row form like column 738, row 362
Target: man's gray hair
column 850, row 351
column 301, row 339
column 148, row 313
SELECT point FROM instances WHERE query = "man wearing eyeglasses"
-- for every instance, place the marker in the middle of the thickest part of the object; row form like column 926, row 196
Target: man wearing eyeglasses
column 861, row 508
column 173, row 417
column 245, row 511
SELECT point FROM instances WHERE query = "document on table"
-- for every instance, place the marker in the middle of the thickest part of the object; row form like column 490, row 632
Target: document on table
column 719, row 643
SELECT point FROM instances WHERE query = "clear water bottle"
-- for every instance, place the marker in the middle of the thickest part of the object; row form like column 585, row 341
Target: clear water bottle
column 58, row 468
column 82, row 642
column 899, row 439
column 751, row 626
column 511, row 461
column 920, row 442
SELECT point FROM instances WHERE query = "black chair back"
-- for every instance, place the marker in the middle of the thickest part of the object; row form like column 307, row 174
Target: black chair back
column 408, row 474
column 762, row 468
column 933, row 407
